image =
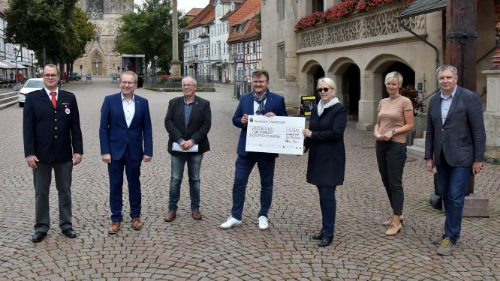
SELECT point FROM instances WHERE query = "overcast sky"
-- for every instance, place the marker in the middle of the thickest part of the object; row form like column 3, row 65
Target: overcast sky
column 186, row 5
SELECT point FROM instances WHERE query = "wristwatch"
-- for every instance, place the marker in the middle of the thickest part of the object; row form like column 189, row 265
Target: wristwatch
column 393, row 131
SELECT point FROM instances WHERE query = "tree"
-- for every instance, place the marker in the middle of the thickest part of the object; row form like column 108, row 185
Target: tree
column 149, row 32
column 56, row 30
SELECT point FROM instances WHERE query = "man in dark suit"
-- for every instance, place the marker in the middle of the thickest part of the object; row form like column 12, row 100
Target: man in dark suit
column 188, row 122
column 260, row 102
column 52, row 141
column 126, row 138
column 455, row 143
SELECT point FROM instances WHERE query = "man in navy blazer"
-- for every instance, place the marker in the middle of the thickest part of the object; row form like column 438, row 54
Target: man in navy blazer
column 455, row 143
column 126, row 138
column 52, row 141
column 188, row 122
column 260, row 102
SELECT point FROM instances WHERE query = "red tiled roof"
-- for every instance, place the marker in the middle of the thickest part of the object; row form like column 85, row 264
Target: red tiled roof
column 194, row 12
column 206, row 16
column 249, row 21
column 250, row 32
column 243, row 10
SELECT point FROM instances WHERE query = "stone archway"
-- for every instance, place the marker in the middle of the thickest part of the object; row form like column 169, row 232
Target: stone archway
column 314, row 71
column 407, row 73
column 379, row 67
column 347, row 76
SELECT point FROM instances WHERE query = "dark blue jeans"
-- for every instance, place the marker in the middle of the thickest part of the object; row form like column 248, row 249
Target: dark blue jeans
column 391, row 159
column 244, row 165
column 177, row 163
column 133, row 173
column 328, row 205
column 454, row 182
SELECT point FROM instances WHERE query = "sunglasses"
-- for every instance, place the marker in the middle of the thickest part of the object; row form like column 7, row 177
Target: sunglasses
column 323, row 90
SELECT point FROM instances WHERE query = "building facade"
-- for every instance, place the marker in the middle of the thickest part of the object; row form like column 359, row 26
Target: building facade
column 219, row 49
column 197, row 44
column 14, row 58
column 100, row 58
column 245, row 47
column 359, row 50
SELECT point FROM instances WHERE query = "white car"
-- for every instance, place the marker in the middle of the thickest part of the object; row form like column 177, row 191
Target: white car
column 29, row 86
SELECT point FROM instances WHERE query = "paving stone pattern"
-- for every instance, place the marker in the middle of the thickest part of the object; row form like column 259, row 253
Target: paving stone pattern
column 200, row 250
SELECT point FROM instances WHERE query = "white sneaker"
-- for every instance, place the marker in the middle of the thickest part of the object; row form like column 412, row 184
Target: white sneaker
column 263, row 223
column 230, row 223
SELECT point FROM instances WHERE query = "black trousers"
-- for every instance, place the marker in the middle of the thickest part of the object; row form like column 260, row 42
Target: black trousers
column 391, row 159
column 42, row 177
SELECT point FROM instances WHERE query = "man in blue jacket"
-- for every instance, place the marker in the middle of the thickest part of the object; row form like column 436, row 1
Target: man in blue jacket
column 260, row 102
column 126, row 138
column 455, row 143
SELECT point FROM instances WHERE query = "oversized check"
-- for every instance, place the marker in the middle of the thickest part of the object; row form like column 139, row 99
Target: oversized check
column 276, row 134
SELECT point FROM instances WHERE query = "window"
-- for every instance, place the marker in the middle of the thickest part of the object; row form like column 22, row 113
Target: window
column 281, row 61
column 317, row 6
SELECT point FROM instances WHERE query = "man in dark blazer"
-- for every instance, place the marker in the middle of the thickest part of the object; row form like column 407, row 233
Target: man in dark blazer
column 188, row 122
column 455, row 143
column 126, row 138
column 52, row 141
column 260, row 102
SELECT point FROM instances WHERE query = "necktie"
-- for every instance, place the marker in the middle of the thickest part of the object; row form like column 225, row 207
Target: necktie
column 53, row 98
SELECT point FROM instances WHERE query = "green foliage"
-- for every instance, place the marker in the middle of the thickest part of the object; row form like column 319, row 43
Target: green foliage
column 55, row 28
column 149, row 32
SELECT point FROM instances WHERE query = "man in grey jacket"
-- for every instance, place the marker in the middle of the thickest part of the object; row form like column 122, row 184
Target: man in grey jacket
column 455, row 143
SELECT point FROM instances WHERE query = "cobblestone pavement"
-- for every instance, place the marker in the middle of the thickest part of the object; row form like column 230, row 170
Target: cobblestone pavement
column 200, row 250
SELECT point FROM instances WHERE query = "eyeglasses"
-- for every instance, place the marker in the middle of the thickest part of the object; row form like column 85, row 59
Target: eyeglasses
column 323, row 90
column 187, row 85
column 127, row 83
column 259, row 82
column 50, row 75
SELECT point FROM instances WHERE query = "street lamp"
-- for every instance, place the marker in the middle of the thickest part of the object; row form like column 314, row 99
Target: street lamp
column 15, row 57
column 155, row 59
column 32, row 66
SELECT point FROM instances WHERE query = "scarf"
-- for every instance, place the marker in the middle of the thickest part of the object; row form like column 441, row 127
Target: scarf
column 322, row 106
column 260, row 101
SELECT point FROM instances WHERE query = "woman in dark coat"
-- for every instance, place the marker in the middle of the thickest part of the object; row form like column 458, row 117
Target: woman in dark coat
column 326, row 163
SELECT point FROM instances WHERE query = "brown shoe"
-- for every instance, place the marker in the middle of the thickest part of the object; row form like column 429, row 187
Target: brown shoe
column 196, row 215
column 394, row 229
column 137, row 224
column 114, row 228
column 170, row 216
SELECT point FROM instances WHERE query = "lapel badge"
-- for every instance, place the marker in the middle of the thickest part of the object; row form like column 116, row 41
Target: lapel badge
column 67, row 110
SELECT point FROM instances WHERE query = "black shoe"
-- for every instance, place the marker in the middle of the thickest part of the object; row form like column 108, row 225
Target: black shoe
column 70, row 233
column 327, row 240
column 38, row 237
column 318, row 236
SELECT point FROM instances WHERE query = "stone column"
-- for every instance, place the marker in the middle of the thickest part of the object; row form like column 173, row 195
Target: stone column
column 291, row 90
column 175, row 64
column 492, row 115
column 368, row 104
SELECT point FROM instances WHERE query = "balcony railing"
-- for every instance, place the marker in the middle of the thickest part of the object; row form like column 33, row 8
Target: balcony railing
column 365, row 26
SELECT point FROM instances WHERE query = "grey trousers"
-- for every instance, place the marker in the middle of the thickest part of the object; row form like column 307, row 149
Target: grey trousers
column 42, row 177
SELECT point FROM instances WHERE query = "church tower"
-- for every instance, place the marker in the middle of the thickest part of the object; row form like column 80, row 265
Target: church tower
column 100, row 59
